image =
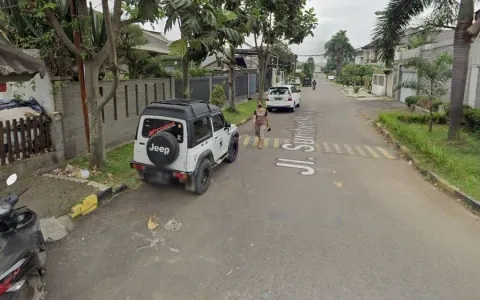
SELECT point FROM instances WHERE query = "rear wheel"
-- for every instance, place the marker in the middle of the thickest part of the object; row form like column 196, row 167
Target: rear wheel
column 292, row 109
column 203, row 177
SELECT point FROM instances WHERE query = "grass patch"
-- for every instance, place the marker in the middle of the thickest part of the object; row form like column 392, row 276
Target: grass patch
column 458, row 162
column 244, row 109
column 118, row 167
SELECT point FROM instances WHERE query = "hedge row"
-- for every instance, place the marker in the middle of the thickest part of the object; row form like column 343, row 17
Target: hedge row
column 471, row 115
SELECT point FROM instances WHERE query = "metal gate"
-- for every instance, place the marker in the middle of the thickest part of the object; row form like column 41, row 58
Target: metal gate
column 252, row 84
column 407, row 75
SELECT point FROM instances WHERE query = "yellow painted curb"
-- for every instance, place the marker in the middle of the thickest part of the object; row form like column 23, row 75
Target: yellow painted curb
column 86, row 206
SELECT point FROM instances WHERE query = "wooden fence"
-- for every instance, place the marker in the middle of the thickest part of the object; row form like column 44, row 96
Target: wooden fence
column 23, row 138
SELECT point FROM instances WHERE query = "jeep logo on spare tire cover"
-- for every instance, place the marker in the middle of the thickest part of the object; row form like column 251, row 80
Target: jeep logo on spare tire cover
column 162, row 148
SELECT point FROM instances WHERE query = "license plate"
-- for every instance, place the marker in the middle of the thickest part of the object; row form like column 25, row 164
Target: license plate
column 278, row 98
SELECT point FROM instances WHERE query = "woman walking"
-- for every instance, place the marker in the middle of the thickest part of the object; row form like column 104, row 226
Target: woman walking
column 260, row 121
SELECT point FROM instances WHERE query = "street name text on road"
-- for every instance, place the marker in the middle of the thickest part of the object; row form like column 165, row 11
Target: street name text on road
column 305, row 166
column 304, row 133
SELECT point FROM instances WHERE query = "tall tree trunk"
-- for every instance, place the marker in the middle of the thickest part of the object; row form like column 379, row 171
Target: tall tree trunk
column 186, row 77
column 97, row 140
column 231, row 80
column 339, row 67
column 262, row 74
column 461, row 51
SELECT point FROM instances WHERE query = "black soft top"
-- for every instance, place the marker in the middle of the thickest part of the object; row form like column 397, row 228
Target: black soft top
column 177, row 108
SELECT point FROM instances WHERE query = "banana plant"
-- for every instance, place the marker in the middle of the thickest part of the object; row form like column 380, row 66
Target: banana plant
column 199, row 21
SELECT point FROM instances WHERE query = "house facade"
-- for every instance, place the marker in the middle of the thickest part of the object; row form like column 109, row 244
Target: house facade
column 442, row 43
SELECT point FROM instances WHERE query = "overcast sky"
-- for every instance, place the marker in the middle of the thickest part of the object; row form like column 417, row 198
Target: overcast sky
column 355, row 16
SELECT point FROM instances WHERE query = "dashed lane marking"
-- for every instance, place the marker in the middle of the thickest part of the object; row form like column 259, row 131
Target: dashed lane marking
column 324, row 147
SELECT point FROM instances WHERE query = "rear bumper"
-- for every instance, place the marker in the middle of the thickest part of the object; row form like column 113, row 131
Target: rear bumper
column 151, row 170
column 273, row 105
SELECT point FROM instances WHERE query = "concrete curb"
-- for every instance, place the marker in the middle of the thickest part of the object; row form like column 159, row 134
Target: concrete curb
column 438, row 181
column 92, row 201
column 244, row 121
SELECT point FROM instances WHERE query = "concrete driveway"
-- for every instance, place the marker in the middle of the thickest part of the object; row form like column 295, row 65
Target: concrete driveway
column 358, row 224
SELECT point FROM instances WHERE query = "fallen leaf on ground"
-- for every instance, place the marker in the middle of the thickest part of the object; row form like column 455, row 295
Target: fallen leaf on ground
column 338, row 183
column 109, row 175
column 151, row 224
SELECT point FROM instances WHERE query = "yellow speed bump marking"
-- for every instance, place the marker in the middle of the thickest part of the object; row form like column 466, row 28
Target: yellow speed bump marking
column 349, row 150
column 276, row 143
column 385, row 153
column 373, row 153
column 360, row 150
column 337, row 148
column 265, row 142
column 255, row 142
column 327, row 149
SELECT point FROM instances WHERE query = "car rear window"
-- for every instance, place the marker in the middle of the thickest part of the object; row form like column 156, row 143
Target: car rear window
column 279, row 91
column 152, row 126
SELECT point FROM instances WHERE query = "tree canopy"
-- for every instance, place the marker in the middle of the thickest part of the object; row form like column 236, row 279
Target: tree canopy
column 340, row 49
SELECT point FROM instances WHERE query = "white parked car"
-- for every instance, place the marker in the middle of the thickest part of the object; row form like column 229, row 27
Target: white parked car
column 283, row 97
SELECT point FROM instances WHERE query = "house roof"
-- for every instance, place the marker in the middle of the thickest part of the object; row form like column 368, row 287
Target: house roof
column 157, row 43
column 14, row 62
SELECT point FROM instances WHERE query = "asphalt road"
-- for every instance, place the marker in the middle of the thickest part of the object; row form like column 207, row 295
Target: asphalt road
column 363, row 225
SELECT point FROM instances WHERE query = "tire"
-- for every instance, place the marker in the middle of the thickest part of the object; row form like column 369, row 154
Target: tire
column 162, row 149
column 298, row 105
column 232, row 151
column 203, row 177
column 292, row 109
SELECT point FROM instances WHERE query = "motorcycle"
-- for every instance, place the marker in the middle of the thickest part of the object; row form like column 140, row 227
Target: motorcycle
column 22, row 250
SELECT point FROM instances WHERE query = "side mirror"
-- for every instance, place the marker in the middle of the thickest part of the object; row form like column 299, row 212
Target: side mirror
column 228, row 125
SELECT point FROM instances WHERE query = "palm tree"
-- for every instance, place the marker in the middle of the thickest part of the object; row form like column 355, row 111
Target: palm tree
column 432, row 77
column 340, row 49
column 393, row 21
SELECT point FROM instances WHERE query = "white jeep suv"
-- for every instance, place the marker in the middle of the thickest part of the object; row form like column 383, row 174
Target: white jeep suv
column 183, row 139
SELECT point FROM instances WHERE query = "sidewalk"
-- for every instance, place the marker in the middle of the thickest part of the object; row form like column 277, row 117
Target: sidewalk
column 374, row 108
column 48, row 197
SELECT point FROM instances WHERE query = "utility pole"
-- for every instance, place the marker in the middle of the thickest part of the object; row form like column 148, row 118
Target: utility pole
column 81, row 76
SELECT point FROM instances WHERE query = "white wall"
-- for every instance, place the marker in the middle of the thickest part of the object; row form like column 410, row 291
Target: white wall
column 38, row 88
column 472, row 89
column 378, row 84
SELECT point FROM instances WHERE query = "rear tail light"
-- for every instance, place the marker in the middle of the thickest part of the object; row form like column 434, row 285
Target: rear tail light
column 137, row 167
column 180, row 175
column 289, row 97
column 7, row 278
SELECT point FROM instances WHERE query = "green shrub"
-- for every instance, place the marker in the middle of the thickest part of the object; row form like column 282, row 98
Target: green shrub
column 218, row 97
column 422, row 118
column 356, row 89
column 472, row 119
column 411, row 100
column 414, row 118
column 436, row 104
column 200, row 72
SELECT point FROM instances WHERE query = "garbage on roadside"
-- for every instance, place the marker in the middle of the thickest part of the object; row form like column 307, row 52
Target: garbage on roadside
column 71, row 171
